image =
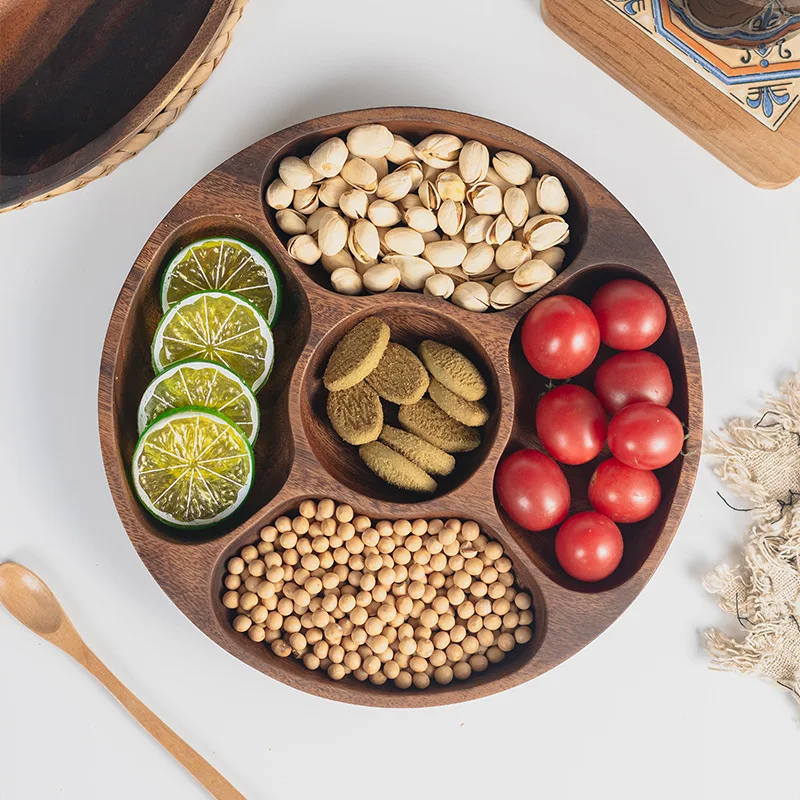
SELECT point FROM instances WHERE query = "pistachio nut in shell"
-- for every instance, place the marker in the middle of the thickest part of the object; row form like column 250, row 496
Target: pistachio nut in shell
column 553, row 257
column 485, row 198
column 414, row 169
column 451, row 217
column 515, row 206
column 279, row 195
column 414, row 271
column 475, row 229
column 495, row 179
column 290, row 221
column 473, row 161
column 306, row 201
column 394, row 186
column 329, row 157
column 331, row 189
column 341, row 260
column 530, row 189
column 451, row 187
column 354, row 203
column 420, row 219
column 363, row 241
column 346, row 281
column 512, row 167
column 304, row 249
column 445, row 253
column 472, row 296
column 380, row 165
column 551, row 196
column 370, row 141
column 315, row 220
column 401, row 151
column 383, row 214
column 429, row 195
column 512, row 254
column 332, row 234
column 295, row 173
column 545, row 231
column 500, row 230
column 409, row 201
column 360, row 175
column 505, row 295
column 533, row 275
column 405, row 241
column 456, row 273
column 479, row 259
column 440, row 150
column 439, row 285
column 381, row 278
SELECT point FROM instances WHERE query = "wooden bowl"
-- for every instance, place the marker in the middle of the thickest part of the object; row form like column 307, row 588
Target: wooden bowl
column 84, row 76
column 298, row 456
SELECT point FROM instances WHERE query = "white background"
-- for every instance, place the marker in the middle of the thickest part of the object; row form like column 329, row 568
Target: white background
column 637, row 713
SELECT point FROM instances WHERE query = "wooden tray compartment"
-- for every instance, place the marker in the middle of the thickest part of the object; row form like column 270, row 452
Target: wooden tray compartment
column 298, row 455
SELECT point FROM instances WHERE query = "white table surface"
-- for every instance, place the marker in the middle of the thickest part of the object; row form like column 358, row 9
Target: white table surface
column 638, row 712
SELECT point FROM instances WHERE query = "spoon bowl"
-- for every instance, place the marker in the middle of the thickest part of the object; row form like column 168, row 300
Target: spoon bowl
column 29, row 599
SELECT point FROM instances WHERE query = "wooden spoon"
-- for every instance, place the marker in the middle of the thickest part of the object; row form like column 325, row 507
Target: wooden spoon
column 30, row 600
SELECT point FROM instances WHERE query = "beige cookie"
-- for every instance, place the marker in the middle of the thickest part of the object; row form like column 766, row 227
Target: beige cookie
column 357, row 354
column 453, row 369
column 400, row 377
column 429, row 422
column 396, row 469
column 472, row 413
column 425, row 455
column 356, row 413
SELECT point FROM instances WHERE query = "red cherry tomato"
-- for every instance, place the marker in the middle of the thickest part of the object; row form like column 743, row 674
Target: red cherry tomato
column 589, row 546
column 635, row 377
column 645, row 436
column 571, row 424
column 630, row 314
column 623, row 493
column 532, row 490
column 560, row 337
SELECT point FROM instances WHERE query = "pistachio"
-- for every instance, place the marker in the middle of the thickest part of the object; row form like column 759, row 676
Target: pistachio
column 394, row 186
column 506, row 295
column 402, row 151
column 405, row 241
column 329, row 157
column 346, row 281
column 545, row 231
column 530, row 193
column 476, row 229
column 473, row 161
column 314, row 221
column 502, row 277
column 331, row 190
column 533, row 275
column 439, row 150
column 445, row 254
column 414, row 169
column 485, row 198
column 457, row 237
column 363, row 241
column 304, row 249
column 451, row 187
column 512, row 168
column 551, row 196
column 279, row 195
column 430, row 173
column 409, row 201
column 456, row 273
column 471, row 296
column 370, row 141
column 380, row 165
column 362, row 267
column 295, row 173
column 341, row 260
column 420, row 219
column 515, row 205
column 512, row 254
column 383, row 214
column 414, row 271
column 306, row 201
column 332, row 234
column 430, row 236
column 479, row 259
column 500, row 230
column 439, row 285
column 360, row 175
column 495, row 179
column 488, row 274
column 429, row 195
column 318, row 177
column 289, row 221
column 381, row 278
column 451, row 217
column 354, row 203
column 553, row 257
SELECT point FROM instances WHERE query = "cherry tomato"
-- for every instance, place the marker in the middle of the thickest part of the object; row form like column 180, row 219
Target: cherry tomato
column 623, row 493
column 589, row 546
column 630, row 314
column 532, row 490
column 635, row 377
column 645, row 436
column 571, row 424
column 560, row 337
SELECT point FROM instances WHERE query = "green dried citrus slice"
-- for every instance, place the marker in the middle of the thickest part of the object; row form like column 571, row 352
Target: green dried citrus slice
column 201, row 383
column 192, row 467
column 224, row 264
column 220, row 327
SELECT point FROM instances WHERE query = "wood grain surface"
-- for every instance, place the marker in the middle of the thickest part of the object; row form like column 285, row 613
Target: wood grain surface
column 769, row 159
column 80, row 77
column 298, row 456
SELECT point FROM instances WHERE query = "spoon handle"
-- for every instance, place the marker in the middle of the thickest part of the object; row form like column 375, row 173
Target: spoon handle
column 162, row 733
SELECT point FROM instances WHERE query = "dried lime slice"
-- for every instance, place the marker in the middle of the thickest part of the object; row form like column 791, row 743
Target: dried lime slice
column 219, row 327
column 227, row 265
column 192, row 467
column 201, row 383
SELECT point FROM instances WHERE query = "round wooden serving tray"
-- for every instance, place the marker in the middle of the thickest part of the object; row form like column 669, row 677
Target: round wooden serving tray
column 297, row 454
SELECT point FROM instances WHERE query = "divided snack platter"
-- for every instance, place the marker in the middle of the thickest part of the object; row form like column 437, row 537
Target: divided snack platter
column 298, row 455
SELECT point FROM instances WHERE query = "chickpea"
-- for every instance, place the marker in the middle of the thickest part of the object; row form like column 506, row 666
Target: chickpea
column 230, row 600
column 268, row 534
column 421, row 681
column 403, row 680
column 523, row 635
column 485, row 637
column 281, row 648
column 495, row 655
column 242, row 623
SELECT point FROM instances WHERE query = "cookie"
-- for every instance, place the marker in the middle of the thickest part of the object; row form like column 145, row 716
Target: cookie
column 396, row 469
column 400, row 377
column 472, row 413
column 357, row 354
column 429, row 422
column 425, row 455
column 356, row 413
column 453, row 369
